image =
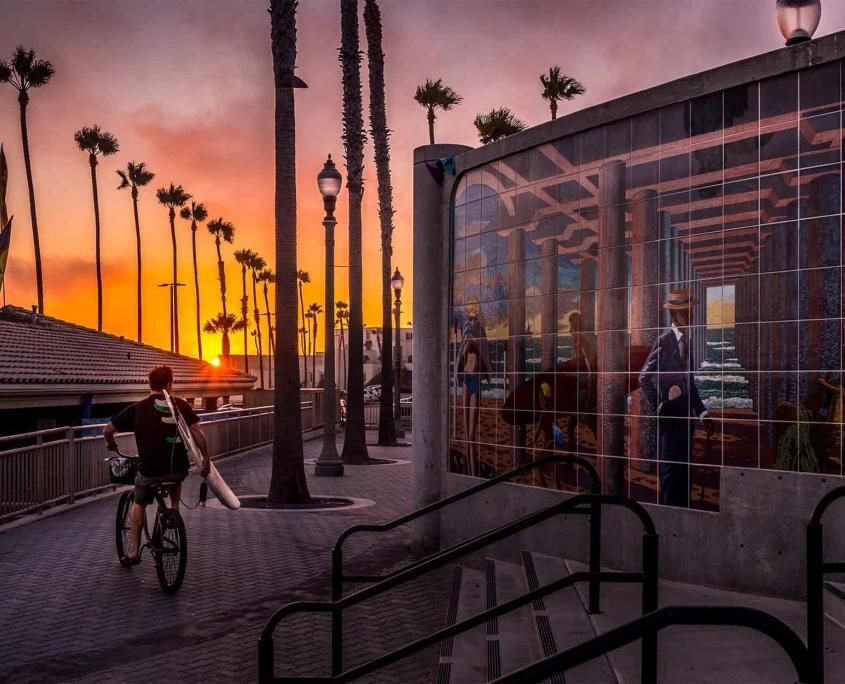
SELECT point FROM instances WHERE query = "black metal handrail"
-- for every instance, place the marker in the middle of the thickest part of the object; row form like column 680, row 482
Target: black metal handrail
column 817, row 568
column 580, row 504
column 650, row 624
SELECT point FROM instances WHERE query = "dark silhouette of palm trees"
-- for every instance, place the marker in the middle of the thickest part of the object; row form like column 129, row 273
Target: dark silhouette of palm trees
column 256, row 265
column 136, row 176
column 266, row 277
column 498, row 124
column 381, row 146
column 355, row 442
column 287, row 478
column 223, row 324
column 302, row 277
column 243, row 257
column 435, row 95
column 314, row 310
column 196, row 213
column 223, row 231
column 24, row 72
column 558, row 86
column 96, row 142
column 342, row 309
column 172, row 197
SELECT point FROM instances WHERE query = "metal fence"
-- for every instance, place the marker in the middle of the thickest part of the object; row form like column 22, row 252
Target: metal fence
column 371, row 412
column 49, row 467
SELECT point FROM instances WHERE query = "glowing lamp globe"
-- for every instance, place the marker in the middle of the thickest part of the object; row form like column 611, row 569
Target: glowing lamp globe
column 329, row 179
column 397, row 281
column 798, row 19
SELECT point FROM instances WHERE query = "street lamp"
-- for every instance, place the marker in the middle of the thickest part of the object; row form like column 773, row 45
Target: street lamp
column 329, row 463
column 396, row 282
column 798, row 19
column 172, row 313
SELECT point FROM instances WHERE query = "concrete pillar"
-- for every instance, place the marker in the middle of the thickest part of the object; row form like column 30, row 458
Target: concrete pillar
column 432, row 193
column 644, row 312
column 613, row 325
column 587, row 306
column 548, row 308
column 515, row 350
column 665, row 262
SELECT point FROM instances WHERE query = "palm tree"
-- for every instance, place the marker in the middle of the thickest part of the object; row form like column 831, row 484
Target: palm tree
column 243, row 257
column 302, row 277
column 223, row 231
column 498, row 124
column 314, row 310
column 558, row 86
column 196, row 213
column 435, row 95
column 96, row 142
column 266, row 277
column 222, row 323
column 381, row 145
column 355, row 442
column 309, row 318
column 342, row 318
column 256, row 265
column 172, row 197
column 136, row 176
column 287, row 478
column 23, row 72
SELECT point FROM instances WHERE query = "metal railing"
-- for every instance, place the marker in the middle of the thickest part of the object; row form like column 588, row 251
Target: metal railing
column 371, row 416
column 56, row 466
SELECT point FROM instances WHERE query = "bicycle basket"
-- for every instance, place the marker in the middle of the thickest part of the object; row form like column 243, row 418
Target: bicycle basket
column 122, row 470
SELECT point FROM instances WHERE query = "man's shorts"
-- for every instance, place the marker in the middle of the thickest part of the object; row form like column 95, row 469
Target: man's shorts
column 145, row 487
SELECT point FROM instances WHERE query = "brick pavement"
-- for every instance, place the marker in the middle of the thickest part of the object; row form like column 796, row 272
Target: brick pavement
column 71, row 613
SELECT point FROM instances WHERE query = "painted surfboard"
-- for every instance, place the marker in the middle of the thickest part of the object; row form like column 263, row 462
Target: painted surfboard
column 215, row 480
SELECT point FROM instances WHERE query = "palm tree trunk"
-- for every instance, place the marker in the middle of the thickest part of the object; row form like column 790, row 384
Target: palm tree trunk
column 381, row 146
column 355, row 442
column 553, row 107
column 302, row 334
column 23, row 100
column 92, row 160
column 196, row 286
column 175, row 322
column 221, row 276
column 138, row 254
column 244, row 315
column 314, row 354
column 287, row 479
column 431, row 125
column 272, row 338
column 257, row 318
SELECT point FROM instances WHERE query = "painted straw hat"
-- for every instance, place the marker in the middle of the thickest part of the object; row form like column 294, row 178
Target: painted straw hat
column 680, row 299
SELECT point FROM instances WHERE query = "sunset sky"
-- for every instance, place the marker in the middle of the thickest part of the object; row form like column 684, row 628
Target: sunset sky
column 187, row 88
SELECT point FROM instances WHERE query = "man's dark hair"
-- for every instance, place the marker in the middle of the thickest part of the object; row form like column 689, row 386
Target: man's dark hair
column 160, row 378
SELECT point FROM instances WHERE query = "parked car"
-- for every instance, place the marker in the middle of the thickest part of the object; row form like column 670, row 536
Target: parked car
column 406, row 400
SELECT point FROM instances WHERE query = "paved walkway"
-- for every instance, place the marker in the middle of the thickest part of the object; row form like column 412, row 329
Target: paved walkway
column 70, row 612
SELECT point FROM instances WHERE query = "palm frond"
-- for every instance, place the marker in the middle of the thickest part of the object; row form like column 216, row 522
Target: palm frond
column 244, row 256
column 224, row 230
column 5, row 72
column 497, row 124
column 124, row 180
column 303, row 276
column 558, row 86
column 173, row 196
column 437, row 95
column 22, row 60
column 257, row 263
column 40, row 73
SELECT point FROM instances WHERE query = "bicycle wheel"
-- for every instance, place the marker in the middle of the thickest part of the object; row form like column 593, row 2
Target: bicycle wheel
column 123, row 524
column 170, row 549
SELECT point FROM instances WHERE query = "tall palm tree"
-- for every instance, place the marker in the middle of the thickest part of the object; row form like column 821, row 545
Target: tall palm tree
column 558, row 86
column 136, row 176
column 302, row 277
column 223, row 231
column 172, row 197
column 435, row 95
column 315, row 310
column 96, row 142
column 23, row 71
column 243, row 257
column 256, row 265
column 266, row 277
column 196, row 213
column 355, row 442
column 309, row 322
column 223, row 323
column 381, row 146
column 287, row 478
column 342, row 309
column 498, row 124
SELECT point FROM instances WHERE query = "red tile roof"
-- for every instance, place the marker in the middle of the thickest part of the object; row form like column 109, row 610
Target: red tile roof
column 52, row 351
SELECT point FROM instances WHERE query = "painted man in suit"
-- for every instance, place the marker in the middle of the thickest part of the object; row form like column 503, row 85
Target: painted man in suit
column 667, row 380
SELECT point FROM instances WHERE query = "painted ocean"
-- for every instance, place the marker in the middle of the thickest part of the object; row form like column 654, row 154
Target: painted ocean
column 721, row 383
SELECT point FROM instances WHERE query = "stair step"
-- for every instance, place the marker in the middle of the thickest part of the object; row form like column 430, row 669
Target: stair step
column 462, row 657
column 562, row 621
column 511, row 638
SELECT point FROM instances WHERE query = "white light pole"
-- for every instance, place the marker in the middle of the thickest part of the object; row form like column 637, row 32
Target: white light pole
column 397, row 282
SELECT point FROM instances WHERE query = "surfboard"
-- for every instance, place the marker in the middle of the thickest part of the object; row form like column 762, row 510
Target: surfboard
column 215, row 480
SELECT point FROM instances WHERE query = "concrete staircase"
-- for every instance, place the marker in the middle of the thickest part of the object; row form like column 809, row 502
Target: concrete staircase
column 688, row 654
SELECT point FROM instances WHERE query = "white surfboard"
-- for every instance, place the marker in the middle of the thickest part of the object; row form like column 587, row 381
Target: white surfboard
column 215, row 481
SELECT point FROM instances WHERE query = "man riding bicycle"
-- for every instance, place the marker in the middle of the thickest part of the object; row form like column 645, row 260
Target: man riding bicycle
column 161, row 453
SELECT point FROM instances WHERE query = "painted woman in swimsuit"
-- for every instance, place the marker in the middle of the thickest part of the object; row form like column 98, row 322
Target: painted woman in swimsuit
column 473, row 364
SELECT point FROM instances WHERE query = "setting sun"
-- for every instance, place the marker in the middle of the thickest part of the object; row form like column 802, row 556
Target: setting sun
column 215, row 361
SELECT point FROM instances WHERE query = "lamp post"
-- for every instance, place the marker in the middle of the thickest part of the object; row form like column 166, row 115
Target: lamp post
column 397, row 281
column 172, row 319
column 329, row 463
column 798, row 19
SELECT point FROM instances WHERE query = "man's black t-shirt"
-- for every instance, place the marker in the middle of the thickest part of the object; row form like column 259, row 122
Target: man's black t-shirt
column 159, row 446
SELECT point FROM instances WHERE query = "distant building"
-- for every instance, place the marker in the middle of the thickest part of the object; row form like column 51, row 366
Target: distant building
column 57, row 373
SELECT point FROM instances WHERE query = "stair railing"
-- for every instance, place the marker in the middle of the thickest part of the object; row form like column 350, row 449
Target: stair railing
column 582, row 504
column 817, row 568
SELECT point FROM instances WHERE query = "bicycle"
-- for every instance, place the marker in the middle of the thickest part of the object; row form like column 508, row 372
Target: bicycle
column 168, row 542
